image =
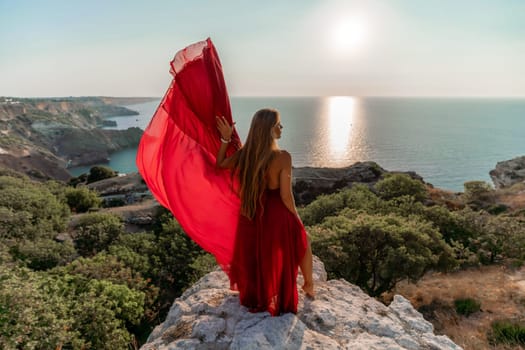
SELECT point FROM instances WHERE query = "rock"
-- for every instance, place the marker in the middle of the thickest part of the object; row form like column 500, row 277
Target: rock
column 208, row 316
column 509, row 172
column 93, row 146
column 126, row 184
column 310, row 182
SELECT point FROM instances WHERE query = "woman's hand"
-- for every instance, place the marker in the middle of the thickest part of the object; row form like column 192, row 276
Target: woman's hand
column 224, row 128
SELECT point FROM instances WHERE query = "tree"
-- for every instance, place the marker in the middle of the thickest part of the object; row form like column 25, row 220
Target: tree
column 81, row 199
column 375, row 252
column 397, row 185
column 100, row 172
column 94, row 232
column 478, row 194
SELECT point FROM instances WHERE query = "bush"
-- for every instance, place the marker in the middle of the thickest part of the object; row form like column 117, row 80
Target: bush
column 358, row 197
column 324, row 205
column 81, row 199
column 44, row 254
column 478, row 193
column 507, row 332
column 34, row 313
column 94, row 232
column 397, row 185
column 466, row 306
column 98, row 173
column 497, row 209
column 494, row 238
column 452, row 225
column 375, row 252
column 81, row 179
column 111, row 269
column 202, row 265
column 29, row 210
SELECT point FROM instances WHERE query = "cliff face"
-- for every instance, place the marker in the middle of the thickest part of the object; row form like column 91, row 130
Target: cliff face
column 208, row 316
column 509, row 172
column 56, row 132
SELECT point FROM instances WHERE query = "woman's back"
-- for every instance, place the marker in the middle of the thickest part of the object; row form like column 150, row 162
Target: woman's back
column 274, row 169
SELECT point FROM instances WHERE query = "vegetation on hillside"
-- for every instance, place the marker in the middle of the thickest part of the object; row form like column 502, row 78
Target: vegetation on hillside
column 87, row 283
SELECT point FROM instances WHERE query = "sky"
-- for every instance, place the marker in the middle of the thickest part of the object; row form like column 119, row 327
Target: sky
column 458, row 48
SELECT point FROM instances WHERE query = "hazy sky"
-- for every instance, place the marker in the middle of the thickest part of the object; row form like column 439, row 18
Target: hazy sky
column 270, row 48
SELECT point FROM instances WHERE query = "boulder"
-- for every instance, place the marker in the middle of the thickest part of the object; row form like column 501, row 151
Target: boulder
column 208, row 316
column 508, row 172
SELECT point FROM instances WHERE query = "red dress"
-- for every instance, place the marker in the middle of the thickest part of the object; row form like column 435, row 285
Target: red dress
column 176, row 158
column 267, row 253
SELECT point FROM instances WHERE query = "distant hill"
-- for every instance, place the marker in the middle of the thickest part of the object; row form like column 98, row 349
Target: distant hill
column 41, row 137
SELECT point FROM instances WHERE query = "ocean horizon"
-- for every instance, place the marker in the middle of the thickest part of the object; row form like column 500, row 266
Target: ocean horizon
column 447, row 141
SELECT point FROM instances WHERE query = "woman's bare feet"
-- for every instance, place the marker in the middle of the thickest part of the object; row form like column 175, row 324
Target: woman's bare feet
column 308, row 289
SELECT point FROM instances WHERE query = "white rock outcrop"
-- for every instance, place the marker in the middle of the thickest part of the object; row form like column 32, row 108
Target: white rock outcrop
column 208, row 316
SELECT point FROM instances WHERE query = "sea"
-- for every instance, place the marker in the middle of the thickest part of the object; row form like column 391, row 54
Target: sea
column 448, row 141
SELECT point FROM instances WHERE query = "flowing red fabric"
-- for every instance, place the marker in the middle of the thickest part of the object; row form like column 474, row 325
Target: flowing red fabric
column 177, row 152
column 176, row 158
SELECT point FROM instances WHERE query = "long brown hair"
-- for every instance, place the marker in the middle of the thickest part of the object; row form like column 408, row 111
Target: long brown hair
column 253, row 159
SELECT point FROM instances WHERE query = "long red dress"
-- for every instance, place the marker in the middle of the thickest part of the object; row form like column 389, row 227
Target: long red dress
column 176, row 158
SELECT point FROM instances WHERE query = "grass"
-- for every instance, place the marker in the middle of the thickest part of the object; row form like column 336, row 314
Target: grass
column 508, row 332
column 499, row 289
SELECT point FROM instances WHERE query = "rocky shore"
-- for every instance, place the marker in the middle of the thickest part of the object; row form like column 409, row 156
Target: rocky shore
column 41, row 137
column 509, row 172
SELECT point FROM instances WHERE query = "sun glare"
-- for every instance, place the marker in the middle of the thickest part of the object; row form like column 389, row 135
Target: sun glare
column 348, row 34
column 341, row 111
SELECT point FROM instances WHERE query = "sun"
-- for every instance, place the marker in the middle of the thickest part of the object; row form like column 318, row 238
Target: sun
column 348, row 34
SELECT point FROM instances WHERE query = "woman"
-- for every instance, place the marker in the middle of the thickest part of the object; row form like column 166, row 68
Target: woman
column 271, row 241
column 177, row 159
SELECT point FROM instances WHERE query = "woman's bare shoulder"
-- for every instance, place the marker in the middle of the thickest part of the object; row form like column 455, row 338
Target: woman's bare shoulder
column 283, row 157
column 282, row 154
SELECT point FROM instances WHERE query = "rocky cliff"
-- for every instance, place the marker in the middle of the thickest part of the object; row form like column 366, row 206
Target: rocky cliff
column 310, row 182
column 208, row 316
column 41, row 136
column 509, row 172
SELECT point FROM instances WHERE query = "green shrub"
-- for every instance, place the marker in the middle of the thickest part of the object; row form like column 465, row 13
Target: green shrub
column 324, row 205
column 34, row 313
column 375, row 252
column 98, row 173
column 94, row 232
column 497, row 209
column 29, row 210
column 507, row 332
column 466, row 306
column 44, row 254
column 81, row 199
column 478, row 193
column 358, row 197
column 397, row 185
column 452, row 225
column 81, row 179
column 202, row 265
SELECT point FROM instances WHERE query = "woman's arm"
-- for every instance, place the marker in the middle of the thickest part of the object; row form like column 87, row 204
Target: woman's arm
column 226, row 133
column 285, row 181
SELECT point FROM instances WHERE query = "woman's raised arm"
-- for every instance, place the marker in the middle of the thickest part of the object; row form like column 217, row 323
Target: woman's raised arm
column 226, row 131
